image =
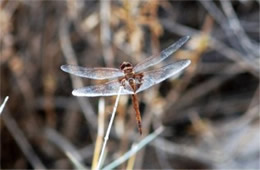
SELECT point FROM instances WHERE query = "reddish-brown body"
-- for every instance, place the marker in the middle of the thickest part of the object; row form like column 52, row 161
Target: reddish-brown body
column 135, row 81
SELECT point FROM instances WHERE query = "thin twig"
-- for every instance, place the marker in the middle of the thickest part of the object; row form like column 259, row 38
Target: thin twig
column 3, row 104
column 109, row 128
column 131, row 161
column 100, row 135
column 135, row 149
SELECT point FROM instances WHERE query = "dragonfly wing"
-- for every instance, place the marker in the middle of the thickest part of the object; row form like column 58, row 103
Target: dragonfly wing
column 163, row 55
column 108, row 89
column 98, row 73
column 151, row 78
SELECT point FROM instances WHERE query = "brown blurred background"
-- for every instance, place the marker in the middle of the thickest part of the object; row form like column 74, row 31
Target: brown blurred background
column 210, row 112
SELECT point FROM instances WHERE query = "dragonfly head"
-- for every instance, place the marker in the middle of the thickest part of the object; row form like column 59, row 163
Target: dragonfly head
column 126, row 66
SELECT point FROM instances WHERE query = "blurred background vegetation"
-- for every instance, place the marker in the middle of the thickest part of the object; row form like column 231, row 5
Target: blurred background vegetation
column 210, row 113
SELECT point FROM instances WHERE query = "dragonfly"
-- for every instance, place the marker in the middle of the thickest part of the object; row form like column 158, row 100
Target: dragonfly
column 132, row 78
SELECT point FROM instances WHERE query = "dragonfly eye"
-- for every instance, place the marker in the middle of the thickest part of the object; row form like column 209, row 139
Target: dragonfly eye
column 125, row 65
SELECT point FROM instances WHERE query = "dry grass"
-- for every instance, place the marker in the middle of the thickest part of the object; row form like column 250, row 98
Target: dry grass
column 210, row 113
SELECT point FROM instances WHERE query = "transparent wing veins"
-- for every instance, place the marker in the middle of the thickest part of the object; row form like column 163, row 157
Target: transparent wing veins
column 108, row 89
column 98, row 73
column 153, row 77
column 163, row 55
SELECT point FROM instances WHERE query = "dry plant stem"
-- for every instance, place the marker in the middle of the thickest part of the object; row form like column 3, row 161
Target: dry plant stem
column 220, row 18
column 101, row 126
column 131, row 161
column 109, row 128
column 237, row 29
column 128, row 131
column 3, row 104
column 22, row 142
column 229, row 30
column 105, row 17
column 76, row 82
column 66, row 147
column 135, row 149
column 215, row 44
